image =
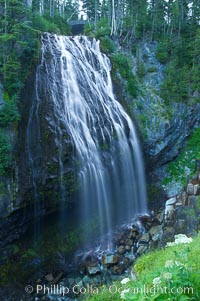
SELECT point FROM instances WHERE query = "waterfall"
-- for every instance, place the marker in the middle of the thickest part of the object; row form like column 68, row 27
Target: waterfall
column 75, row 84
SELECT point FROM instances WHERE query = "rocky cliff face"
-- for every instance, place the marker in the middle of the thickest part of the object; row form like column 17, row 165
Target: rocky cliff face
column 164, row 127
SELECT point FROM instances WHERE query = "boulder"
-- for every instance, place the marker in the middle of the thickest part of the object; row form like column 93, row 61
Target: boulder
column 190, row 189
column 171, row 201
column 94, row 269
column 110, row 259
column 169, row 212
column 142, row 249
column 196, row 189
column 129, row 242
column 144, row 239
column 156, row 232
column 121, row 250
column 118, row 269
column 49, row 277
column 128, row 248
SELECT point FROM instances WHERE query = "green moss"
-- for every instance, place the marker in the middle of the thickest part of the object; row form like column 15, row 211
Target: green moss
column 185, row 165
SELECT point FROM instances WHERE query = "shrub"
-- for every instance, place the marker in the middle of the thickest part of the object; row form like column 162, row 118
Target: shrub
column 42, row 24
column 162, row 52
column 107, row 45
column 122, row 63
column 88, row 29
column 102, row 28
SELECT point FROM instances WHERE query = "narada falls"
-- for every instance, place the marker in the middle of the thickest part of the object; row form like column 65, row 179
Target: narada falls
column 81, row 137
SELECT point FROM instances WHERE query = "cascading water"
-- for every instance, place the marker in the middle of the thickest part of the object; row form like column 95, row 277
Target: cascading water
column 105, row 149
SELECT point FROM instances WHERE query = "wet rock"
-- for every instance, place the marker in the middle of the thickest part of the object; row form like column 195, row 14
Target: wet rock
column 142, row 249
column 144, row 239
column 129, row 242
column 121, row 249
column 127, row 248
column 119, row 269
column 80, row 283
column 71, row 281
column 110, row 259
column 168, row 235
column 183, row 198
column 169, row 212
column 160, row 217
column 190, row 218
column 49, row 277
column 192, row 201
column 196, row 189
column 57, row 278
column 82, row 268
column 130, row 235
column 171, row 201
column 93, row 269
column 77, row 279
column 193, row 189
column 156, row 233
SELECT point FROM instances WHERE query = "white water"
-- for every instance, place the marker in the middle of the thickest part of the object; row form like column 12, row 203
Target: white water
column 110, row 166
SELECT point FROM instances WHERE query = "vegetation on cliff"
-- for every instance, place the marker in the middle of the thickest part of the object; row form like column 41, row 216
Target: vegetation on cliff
column 20, row 33
column 180, row 169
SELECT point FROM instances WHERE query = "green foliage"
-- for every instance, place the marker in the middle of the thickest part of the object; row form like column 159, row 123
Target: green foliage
column 175, row 88
column 184, row 166
column 5, row 154
column 102, row 28
column 183, row 59
column 162, row 54
column 107, row 45
column 19, row 55
column 9, row 112
column 122, row 63
column 88, row 29
column 46, row 24
column 132, row 86
column 42, row 24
